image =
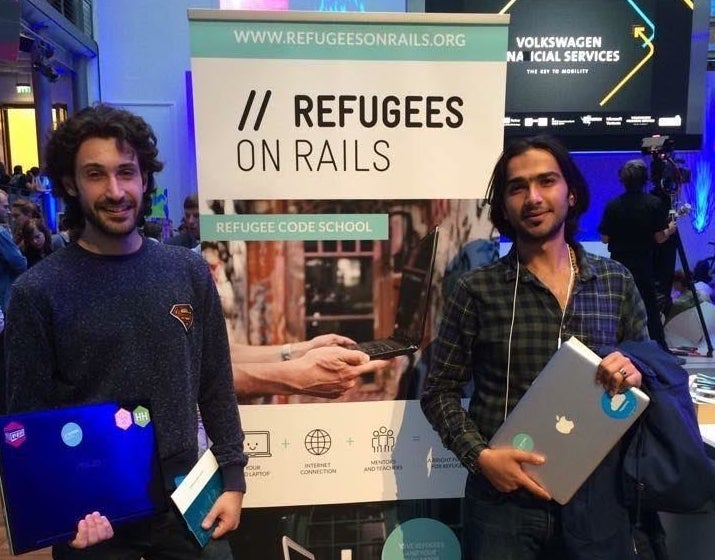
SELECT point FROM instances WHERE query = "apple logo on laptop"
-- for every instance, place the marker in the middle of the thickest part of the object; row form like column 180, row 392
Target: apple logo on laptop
column 564, row 425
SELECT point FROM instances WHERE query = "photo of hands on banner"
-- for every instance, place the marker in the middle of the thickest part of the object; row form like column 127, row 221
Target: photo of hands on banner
column 293, row 309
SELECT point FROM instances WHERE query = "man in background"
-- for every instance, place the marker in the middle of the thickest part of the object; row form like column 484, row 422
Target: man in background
column 189, row 235
column 12, row 264
column 632, row 225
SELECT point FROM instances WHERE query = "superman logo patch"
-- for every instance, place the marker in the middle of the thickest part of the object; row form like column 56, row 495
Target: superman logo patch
column 184, row 313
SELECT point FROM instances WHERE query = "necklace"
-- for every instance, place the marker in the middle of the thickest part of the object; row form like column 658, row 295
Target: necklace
column 572, row 260
column 573, row 270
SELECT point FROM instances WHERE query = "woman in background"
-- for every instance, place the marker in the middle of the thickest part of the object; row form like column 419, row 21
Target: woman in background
column 35, row 241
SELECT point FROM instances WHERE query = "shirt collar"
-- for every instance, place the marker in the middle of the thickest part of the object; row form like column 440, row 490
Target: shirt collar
column 585, row 270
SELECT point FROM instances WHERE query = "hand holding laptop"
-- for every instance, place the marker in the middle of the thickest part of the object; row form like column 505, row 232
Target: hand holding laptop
column 93, row 529
column 567, row 418
column 503, row 469
column 617, row 373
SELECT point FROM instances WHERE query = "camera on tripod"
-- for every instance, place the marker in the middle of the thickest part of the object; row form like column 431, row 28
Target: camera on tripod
column 666, row 171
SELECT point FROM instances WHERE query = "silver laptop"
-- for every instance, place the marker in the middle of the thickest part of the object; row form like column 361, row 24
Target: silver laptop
column 412, row 304
column 570, row 419
column 293, row 551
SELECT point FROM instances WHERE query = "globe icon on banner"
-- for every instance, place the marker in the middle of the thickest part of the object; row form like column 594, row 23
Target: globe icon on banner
column 317, row 442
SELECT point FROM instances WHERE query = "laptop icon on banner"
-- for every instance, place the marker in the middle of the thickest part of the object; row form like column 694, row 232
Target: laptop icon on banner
column 257, row 444
column 412, row 304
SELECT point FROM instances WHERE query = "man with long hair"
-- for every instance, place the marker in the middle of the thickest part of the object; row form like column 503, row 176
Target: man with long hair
column 502, row 323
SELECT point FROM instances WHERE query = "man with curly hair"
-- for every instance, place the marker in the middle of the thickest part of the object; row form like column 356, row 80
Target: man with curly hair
column 102, row 320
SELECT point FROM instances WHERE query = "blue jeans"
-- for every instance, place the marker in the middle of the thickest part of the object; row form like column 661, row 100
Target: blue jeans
column 510, row 526
column 162, row 537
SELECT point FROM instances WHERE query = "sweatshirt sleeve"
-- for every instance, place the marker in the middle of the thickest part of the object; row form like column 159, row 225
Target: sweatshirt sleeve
column 217, row 399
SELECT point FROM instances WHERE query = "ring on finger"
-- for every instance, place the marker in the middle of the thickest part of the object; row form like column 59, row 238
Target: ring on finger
column 623, row 373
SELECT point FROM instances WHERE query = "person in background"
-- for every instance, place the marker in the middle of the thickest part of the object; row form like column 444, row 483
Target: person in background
column 666, row 253
column 189, row 235
column 682, row 296
column 502, row 322
column 12, row 264
column 4, row 177
column 19, row 184
column 102, row 320
column 33, row 176
column 152, row 231
column 12, row 261
column 62, row 237
column 632, row 224
column 22, row 210
column 35, row 241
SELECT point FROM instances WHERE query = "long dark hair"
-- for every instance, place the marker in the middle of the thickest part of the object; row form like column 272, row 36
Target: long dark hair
column 100, row 121
column 572, row 176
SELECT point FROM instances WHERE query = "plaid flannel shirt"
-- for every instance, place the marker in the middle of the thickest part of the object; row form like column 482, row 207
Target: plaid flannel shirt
column 605, row 308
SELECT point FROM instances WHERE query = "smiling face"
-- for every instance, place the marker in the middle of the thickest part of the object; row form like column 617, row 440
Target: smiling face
column 109, row 185
column 537, row 198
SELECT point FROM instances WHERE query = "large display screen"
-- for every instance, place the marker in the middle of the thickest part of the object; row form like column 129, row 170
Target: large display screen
column 316, row 5
column 602, row 74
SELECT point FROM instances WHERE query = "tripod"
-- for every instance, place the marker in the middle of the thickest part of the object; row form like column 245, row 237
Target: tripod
column 667, row 177
column 691, row 284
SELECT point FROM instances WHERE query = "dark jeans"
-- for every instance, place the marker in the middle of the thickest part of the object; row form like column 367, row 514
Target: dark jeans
column 514, row 526
column 162, row 537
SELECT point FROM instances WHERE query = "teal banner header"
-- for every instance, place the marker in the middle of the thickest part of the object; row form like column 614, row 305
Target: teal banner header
column 348, row 41
column 294, row 227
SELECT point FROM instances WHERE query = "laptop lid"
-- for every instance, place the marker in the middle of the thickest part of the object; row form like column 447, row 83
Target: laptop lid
column 293, row 551
column 570, row 419
column 58, row 465
column 412, row 304
column 414, row 294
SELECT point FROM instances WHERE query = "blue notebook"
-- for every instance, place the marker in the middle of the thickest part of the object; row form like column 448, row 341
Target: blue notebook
column 58, row 465
column 196, row 494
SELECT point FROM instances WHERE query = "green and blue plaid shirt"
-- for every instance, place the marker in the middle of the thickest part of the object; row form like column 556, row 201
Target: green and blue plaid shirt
column 605, row 308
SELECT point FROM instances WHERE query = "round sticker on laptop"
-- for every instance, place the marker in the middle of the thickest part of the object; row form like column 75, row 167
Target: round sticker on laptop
column 523, row 441
column 620, row 405
column 71, row 434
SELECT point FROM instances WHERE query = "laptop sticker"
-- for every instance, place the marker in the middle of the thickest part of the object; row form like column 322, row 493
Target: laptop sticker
column 71, row 434
column 15, row 434
column 620, row 406
column 523, row 442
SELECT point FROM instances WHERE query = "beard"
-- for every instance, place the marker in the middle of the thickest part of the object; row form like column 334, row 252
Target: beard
column 116, row 219
column 551, row 226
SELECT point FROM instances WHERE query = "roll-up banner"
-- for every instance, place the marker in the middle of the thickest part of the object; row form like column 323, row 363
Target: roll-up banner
column 327, row 145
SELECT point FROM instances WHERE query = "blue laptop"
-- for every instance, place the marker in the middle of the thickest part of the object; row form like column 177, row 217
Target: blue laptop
column 58, row 465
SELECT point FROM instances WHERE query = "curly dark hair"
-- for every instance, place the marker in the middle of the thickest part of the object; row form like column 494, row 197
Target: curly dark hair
column 99, row 121
column 575, row 181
